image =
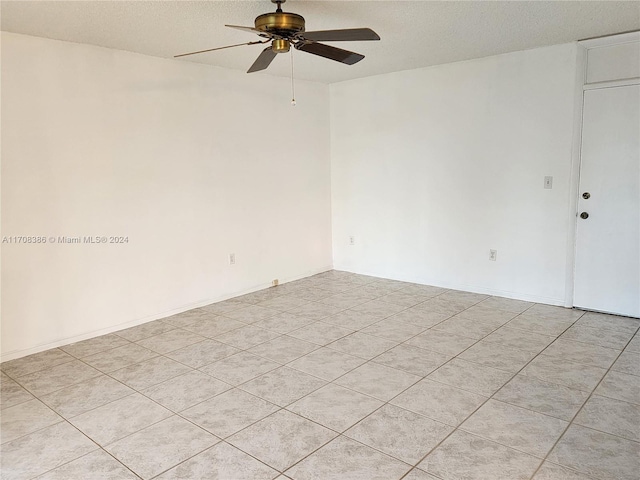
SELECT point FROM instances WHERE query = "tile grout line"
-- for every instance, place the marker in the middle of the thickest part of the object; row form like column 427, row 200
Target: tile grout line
column 556, row 337
column 307, row 419
column 487, row 400
column 371, row 360
column 220, row 440
column 385, row 403
column 163, row 355
column 281, row 408
column 100, row 448
column 163, row 320
column 571, row 422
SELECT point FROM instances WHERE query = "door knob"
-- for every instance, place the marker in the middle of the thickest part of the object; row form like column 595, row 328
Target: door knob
column 584, row 215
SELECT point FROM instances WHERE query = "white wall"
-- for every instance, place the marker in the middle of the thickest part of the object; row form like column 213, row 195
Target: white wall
column 432, row 168
column 189, row 161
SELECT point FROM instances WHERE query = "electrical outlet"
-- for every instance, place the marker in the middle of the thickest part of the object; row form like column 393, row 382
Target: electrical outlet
column 232, row 259
column 352, row 240
column 274, row 283
column 548, row 182
column 493, row 255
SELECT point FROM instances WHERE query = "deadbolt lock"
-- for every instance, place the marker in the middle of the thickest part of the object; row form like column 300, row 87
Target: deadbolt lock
column 586, row 195
column 584, row 215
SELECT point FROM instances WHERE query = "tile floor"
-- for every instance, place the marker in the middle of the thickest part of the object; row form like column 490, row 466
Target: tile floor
column 336, row 376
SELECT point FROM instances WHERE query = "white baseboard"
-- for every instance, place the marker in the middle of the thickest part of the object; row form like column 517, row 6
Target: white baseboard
column 149, row 318
column 464, row 287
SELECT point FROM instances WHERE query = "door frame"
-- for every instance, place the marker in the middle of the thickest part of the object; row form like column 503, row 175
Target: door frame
column 581, row 86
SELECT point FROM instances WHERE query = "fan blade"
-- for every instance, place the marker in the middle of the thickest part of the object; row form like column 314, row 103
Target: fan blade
column 218, row 48
column 246, row 29
column 349, row 34
column 263, row 60
column 332, row 53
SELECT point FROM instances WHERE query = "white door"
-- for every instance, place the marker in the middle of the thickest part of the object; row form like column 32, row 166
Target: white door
column 607, row 274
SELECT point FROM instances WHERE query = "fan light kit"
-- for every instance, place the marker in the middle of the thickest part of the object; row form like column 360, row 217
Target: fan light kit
column 284, row 29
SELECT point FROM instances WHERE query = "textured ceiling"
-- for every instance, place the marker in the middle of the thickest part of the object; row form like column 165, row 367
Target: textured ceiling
column 414, row 33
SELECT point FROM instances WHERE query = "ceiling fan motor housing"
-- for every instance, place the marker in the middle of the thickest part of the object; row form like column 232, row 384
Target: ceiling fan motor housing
column 283, row 24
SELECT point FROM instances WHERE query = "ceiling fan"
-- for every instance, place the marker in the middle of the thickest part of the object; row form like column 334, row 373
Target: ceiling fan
column 284, row 29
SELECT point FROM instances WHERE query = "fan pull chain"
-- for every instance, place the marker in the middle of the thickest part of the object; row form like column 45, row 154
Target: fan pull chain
column 293, row 89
